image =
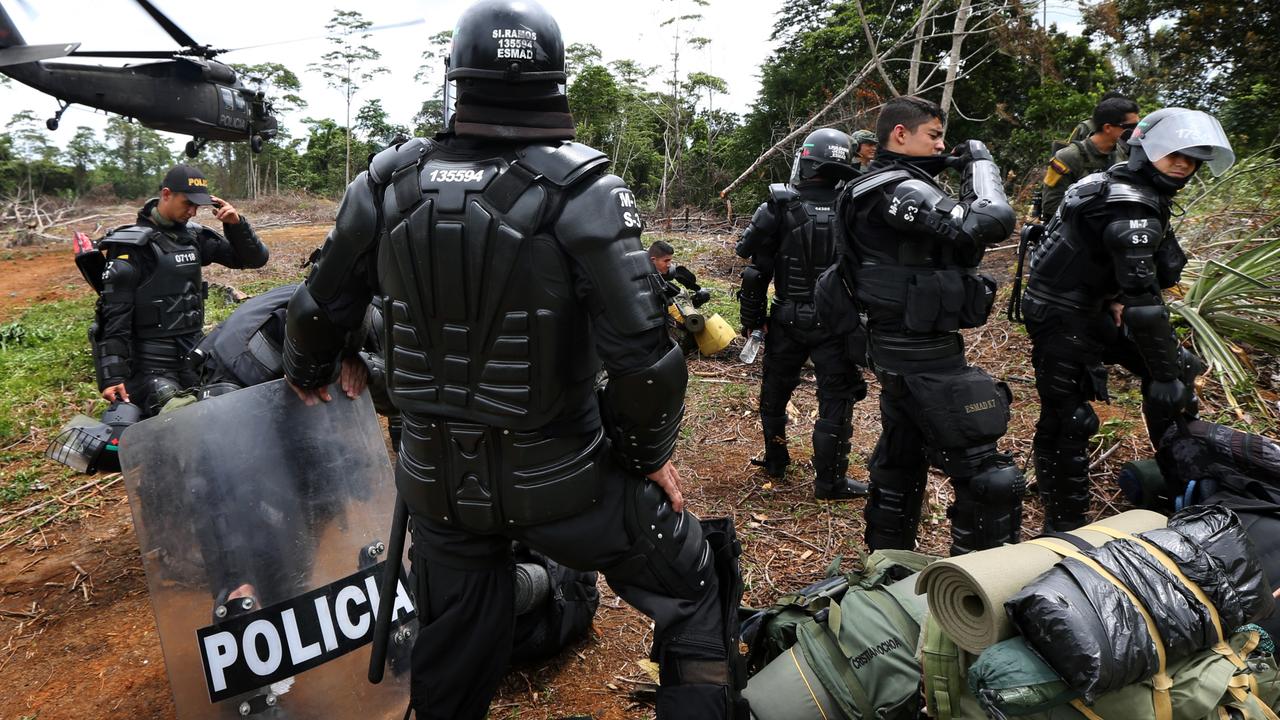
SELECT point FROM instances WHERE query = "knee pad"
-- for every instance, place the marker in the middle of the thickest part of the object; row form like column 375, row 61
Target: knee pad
column 1000, row 485
column 1079, row 424
column 160, row 390
column 695, row 663
column 669, row 553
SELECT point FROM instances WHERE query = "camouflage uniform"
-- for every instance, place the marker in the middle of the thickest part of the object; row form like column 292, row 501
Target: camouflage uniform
column 1071, row 163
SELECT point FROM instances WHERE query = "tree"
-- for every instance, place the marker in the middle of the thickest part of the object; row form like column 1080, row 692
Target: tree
column 429, row 119
column 373, row 121
column 280, row 86
column 347, row 65
column 84, row 151
column 1216, row 55
column 137, row 158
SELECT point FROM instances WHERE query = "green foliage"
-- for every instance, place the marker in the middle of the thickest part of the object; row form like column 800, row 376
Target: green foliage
column 348, row 64
column 136, row 158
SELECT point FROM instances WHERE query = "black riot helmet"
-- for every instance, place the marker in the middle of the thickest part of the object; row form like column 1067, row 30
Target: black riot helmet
column 826, row 152
column 506, row 54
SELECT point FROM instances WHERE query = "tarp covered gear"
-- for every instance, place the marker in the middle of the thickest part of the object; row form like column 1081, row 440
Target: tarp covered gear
column 1119, row 614
column 255, row 489
column 967, row 593
column 1012, row 681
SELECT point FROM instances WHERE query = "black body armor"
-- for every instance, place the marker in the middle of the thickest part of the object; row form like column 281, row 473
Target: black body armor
column 483, row 269
column 1075, row 268
column 170, row 301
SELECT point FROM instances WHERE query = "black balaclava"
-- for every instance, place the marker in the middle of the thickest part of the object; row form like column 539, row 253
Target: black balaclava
column 511, row 111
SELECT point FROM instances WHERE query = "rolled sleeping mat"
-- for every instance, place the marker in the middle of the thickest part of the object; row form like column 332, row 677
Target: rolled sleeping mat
column 788, row 689
column 967, row 593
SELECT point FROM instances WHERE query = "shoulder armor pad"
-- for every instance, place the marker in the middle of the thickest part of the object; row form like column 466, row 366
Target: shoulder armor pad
column 782, row 193
column 198, row 230
column 562, row 165
column 1125, row 193
column 129, row 235
column 872, row 180
column 395, row 157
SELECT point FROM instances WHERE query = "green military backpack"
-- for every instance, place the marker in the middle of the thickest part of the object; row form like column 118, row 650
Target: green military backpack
column 843, row 648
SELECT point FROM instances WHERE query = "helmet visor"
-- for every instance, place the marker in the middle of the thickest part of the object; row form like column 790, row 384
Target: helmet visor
column 1196, row 134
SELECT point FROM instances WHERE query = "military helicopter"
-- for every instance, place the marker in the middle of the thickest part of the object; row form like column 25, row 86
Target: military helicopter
column 189, row 93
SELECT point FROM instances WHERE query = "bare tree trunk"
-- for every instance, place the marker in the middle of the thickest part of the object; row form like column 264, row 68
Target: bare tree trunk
column 913, row 79
column 875, row 51
column 953, row 63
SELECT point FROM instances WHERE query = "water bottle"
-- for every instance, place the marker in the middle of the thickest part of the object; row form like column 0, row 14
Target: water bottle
column 752, row 348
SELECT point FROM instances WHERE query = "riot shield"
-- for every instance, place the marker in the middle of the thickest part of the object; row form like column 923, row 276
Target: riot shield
column 262, row 524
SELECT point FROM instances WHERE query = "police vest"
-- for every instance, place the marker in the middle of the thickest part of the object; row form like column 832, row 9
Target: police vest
column 807, row 244
column 1071, row 267
column 169, row 302
column 929, row 285
column 483, row 321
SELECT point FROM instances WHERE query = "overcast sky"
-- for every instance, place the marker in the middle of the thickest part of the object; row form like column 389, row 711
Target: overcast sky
column 739, row 30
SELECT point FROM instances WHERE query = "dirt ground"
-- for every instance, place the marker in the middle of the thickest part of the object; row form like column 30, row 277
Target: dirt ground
column 78, row 637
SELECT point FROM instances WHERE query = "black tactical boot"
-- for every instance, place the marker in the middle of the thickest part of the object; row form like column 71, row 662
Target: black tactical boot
column 831, row 460
column 776, row 458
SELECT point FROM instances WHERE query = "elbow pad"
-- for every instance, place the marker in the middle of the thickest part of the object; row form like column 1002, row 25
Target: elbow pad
column 1149, row 327
column 989, row 218
column 642, row 412
column 1132, row 243
column 753, row 298
column 920, row 208
column 313, row 342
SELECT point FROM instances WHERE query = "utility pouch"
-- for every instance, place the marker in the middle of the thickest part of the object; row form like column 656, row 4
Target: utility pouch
column 796, row 315
column 979, row 298
column 834, row 303
column 934, row 301
column 962, row 408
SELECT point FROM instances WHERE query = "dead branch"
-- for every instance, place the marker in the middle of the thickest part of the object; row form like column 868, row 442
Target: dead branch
column 102, row 482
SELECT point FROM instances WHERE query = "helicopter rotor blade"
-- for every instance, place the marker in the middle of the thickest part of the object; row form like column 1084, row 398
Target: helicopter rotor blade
column 159, row 54
column 20, row 54
column 169, row 26
column 374, row 28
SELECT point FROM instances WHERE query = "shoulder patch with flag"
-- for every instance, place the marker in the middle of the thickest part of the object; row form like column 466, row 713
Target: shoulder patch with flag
column 1055, row 171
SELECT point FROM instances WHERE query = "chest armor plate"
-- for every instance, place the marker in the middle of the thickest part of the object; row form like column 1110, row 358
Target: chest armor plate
column 170, row 302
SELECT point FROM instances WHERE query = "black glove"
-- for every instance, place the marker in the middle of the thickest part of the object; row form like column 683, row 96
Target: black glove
column 700, row 298
column 971, row 150
column 1172, row 395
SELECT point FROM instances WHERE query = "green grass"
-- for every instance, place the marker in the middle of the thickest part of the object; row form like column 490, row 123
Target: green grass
column 45, row 367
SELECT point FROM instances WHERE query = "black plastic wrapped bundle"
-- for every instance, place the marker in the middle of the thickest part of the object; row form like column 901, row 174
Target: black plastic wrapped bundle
column 1092, row 633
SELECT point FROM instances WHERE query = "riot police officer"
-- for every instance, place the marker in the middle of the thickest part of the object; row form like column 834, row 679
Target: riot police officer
column 151, row 310
column 508, row 260
column 1093, row 298
column 790, row 241
column 911, row 254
